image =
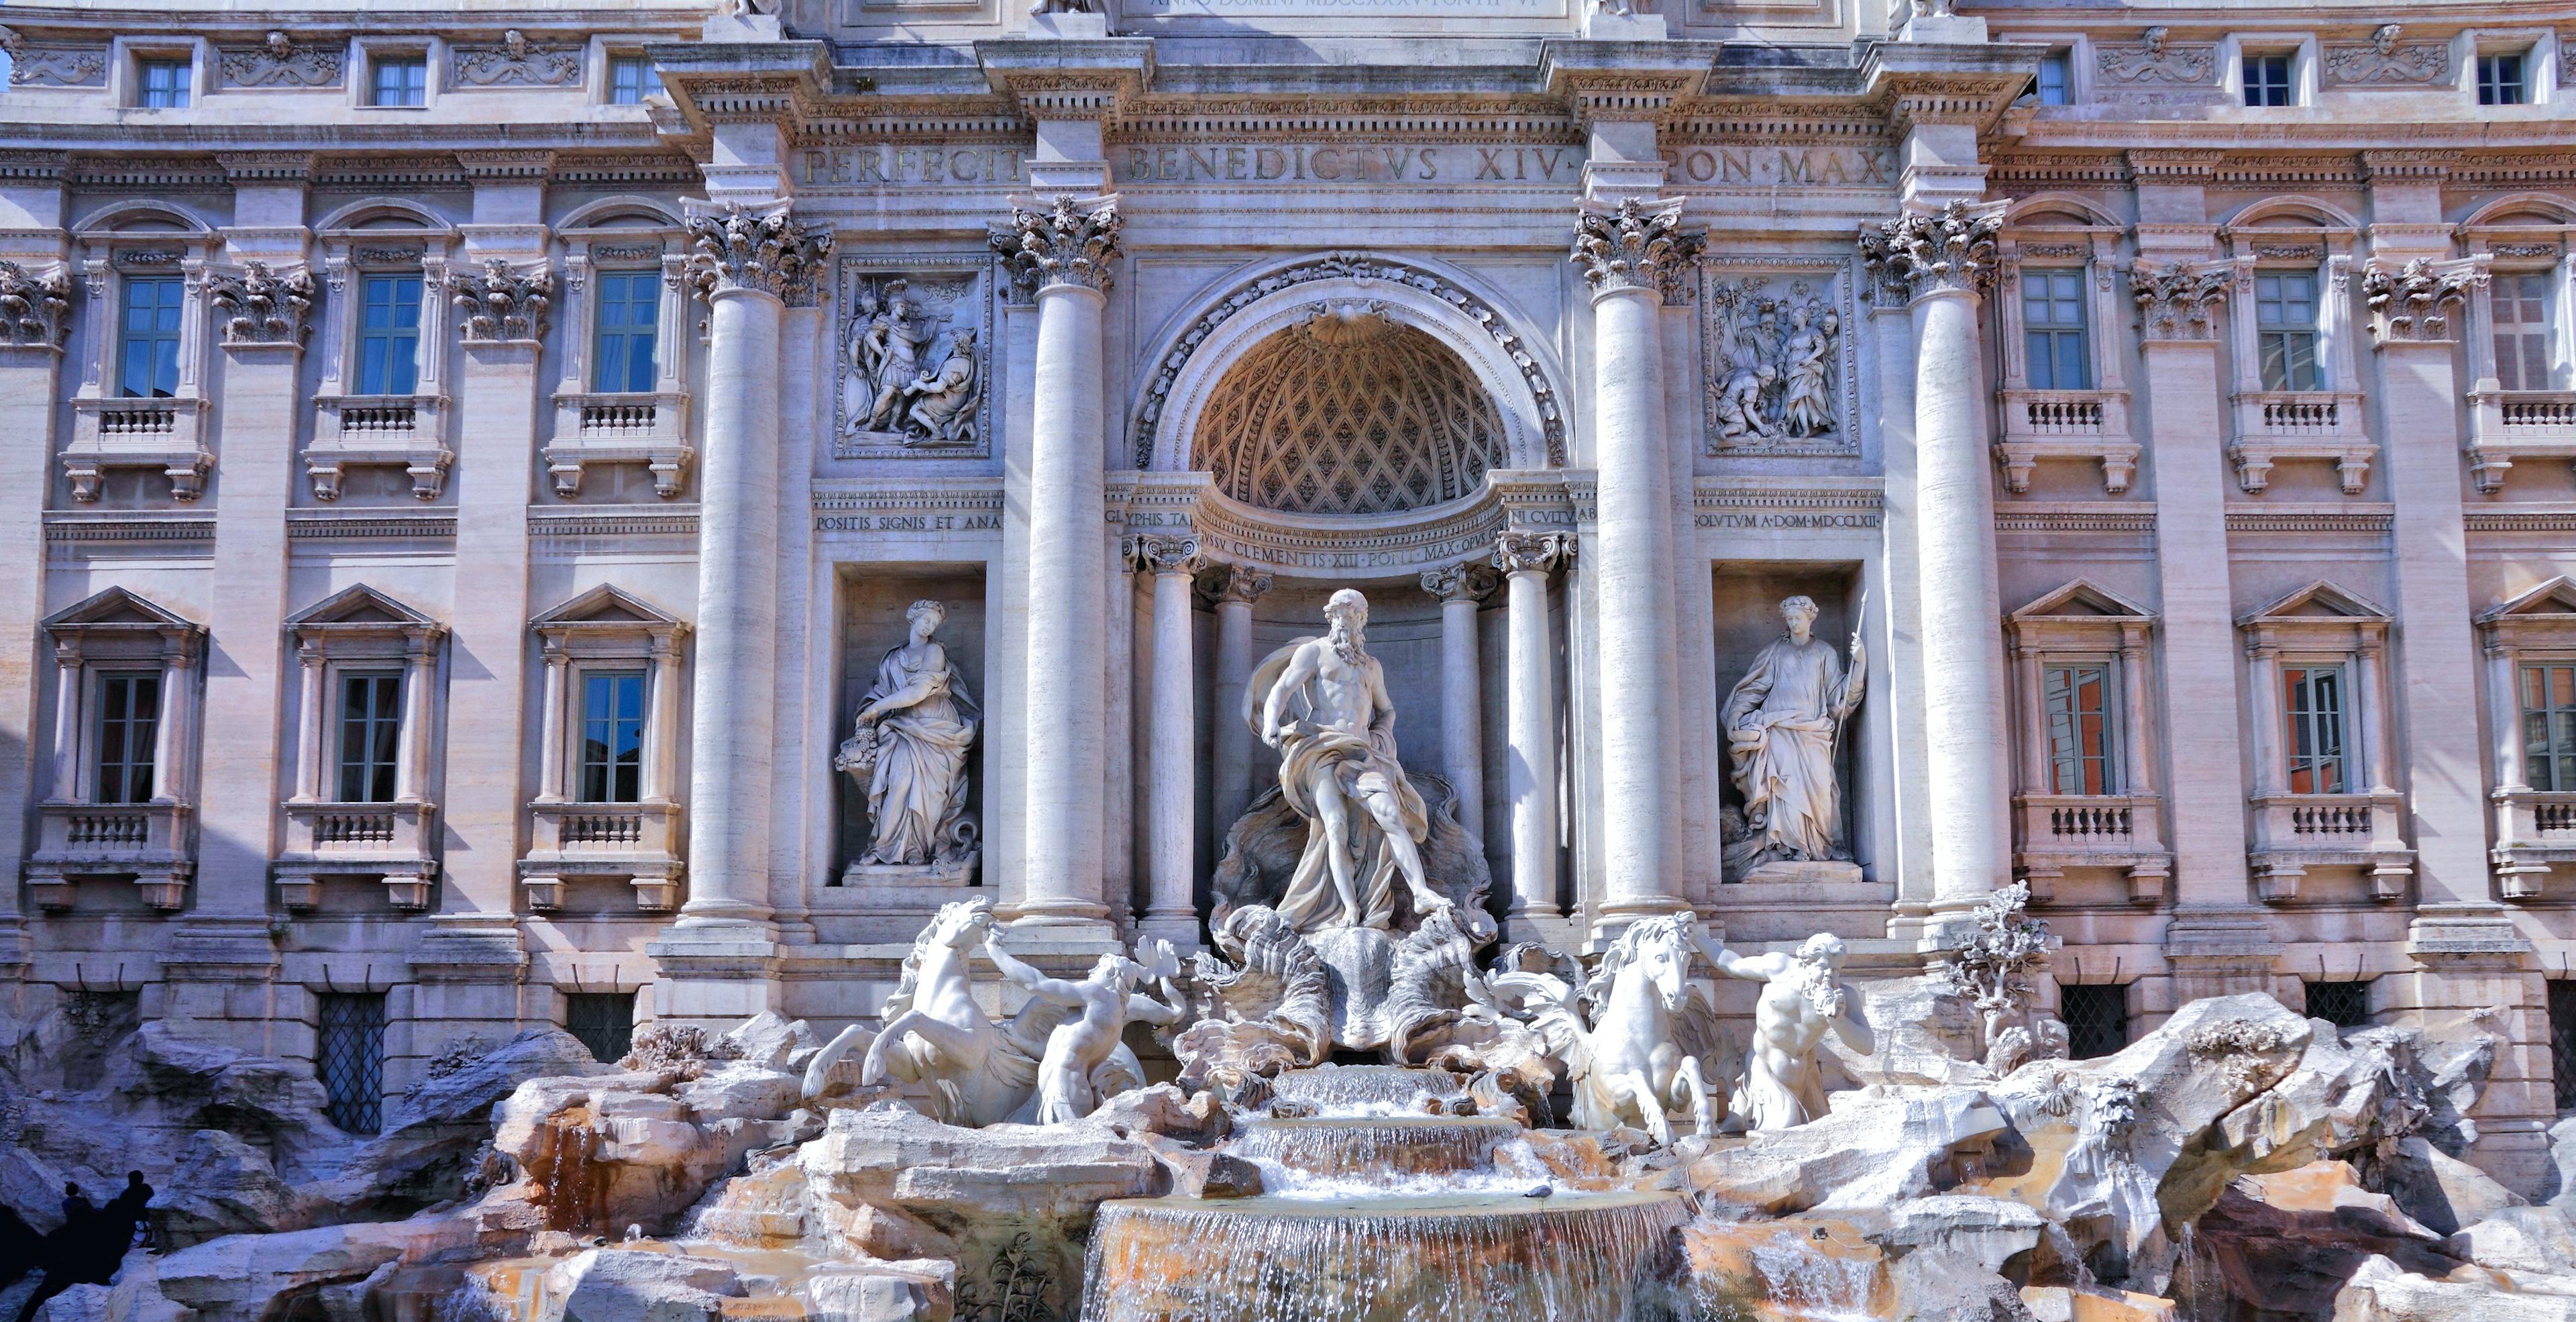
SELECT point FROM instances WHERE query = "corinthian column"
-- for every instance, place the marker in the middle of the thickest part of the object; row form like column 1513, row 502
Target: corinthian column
column 749, row 264
column 1629, row 254
column 1064, row 253
column 1462, row 692
column 1943, row 261
column 1171, row 791
column 1236, row 588
column 1529, row 693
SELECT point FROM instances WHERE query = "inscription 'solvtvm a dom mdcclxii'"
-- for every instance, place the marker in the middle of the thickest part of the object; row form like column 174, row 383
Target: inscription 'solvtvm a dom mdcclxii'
column 619, row 510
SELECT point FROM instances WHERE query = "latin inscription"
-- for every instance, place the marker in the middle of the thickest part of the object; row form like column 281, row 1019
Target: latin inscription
column 909, row 523
column 1787, row 520
column 1294, row 163
column 886, row 163
column 1360, row 163
column 1758, row 167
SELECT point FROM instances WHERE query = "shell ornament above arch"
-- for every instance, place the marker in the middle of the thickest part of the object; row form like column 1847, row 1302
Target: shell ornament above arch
column 1348, row 412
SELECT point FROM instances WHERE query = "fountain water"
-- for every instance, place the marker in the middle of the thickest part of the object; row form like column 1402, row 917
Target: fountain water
column 1378, row 1213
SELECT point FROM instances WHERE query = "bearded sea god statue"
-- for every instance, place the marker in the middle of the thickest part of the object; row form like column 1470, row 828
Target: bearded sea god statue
column 1803, row 997
column 1782, row 722
column 1323, row 705
column 909, row 751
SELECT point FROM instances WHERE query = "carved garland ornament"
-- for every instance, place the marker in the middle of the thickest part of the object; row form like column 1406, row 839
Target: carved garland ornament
column 1347, row 266
column 279, row 62
column 1953, row 248
column 262, row 307
column 516, row 62
column 1634, row 247
column 2179, row 302
column 759, row 248
column 1071, row 244
column 2414, row 302
column 35, row 310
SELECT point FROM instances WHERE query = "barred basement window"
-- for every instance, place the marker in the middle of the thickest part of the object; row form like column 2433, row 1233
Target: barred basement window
column 350, row 1057
column 2097, row 1017
column 2342, row 1004
column 2562, row 1040
column 604, row 1021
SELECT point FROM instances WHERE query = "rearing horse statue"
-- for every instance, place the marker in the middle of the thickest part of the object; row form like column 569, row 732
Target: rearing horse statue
column 1634, row 1067
column 980, row 1073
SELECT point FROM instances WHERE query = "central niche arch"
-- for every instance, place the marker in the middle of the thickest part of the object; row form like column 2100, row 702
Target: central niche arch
column 1348, row 412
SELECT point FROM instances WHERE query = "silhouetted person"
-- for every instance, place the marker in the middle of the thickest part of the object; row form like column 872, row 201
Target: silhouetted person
column 20, row 1247
column 90, row 1244
column 127, row 1208
column 77, row 1208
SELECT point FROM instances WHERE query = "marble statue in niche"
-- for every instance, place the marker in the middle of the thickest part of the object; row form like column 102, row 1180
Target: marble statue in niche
column 1776, row 366
column 908, row 753
column 912, row 374
column 1783, row 720
column 1324, row 706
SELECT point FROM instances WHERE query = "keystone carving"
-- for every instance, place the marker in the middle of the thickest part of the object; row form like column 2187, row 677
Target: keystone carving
column 1071, row 243
column 759, row 248
column 260, row 306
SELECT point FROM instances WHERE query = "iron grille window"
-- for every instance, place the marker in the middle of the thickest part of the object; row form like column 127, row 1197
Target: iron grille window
column 2316, row 716
column 2097, row 1017
column 350, row 1055
column 2285, row 324
column 148, row 341
column 630, row 306
column 2342, row 1004
column 2562, row 1040
column 2549, row 726
column 129, row 716
column 604, row 1021
column 2079, row 729
column 2501, row 81
column 2056, row 80
column 2519, row 307
column 2052, row 322
column 2267, row 80
column 161, row 84
column 399, row 80
column 370, row 732
column 612, row 736
column 631, row 78
column 389, row 336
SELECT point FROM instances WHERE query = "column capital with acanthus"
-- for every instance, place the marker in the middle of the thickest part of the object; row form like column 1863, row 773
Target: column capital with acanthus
column 1635, row 245
column 1920, row 253
column 2179, row 301
column 1071, row 242
column 762, row 248
column 1532, row 552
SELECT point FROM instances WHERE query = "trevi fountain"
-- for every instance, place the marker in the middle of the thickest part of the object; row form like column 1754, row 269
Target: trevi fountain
column 1357, row 1104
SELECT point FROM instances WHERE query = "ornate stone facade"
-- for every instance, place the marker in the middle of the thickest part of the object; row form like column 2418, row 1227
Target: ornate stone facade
column 583, row 406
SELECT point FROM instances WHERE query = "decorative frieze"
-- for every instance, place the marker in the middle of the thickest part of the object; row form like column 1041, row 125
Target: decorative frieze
column 259, row 306
column 515, row 62
column 1635, row 245
column 1951, row 249
column 2180, row 301
column 758, row 248
column 1073, row 243
column 31, row 65
column 915, row 354
column 2154, row 61
column 1779, row 370
column 2415, row 301
column 504, row 304
column 35, row 310
column 279, row 63
column 2384, row 61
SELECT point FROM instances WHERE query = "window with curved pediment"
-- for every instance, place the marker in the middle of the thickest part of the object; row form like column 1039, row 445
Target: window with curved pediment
column 1348, row 413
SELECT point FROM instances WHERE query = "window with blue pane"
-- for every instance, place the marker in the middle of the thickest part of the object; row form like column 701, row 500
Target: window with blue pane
column 129, row 721
column 389, row 335
column 631, row 78
column 2052, row 322
column 2267, row 80
column 2056, row 78
column 148, row 360
column 629, row 312
column 370, row 735
column 2285, row 329
column 399, row 80
column 162, row 84
column 612, row 736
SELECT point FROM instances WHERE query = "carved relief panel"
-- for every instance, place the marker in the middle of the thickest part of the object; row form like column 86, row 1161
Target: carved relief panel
column 1780, row 364
column 914, row 350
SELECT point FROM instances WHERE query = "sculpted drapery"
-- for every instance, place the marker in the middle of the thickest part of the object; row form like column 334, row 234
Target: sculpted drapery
column 1782, row 720
column 910, row 747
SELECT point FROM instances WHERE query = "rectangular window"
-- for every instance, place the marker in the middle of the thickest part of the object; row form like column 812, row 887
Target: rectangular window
column 370, row 732
column 398, row 80
column 631, row 78
column 2079, row 729
column 2519, row 303
column 2052, row 322
column 2267, row 80
column 2549, row 726
column 2342, row 1004
column 2097, row 1018
column 161, row 84
column 389, row 336
column 630, row 304
column 349, row 1054
column 2285, row 326
column 604, row 1021
column 2501, row 81
column 2314, row 701
column 2562, row 1040
column 147, row 364
column 2056, row 78
column 129, row 717
column 612, row 736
